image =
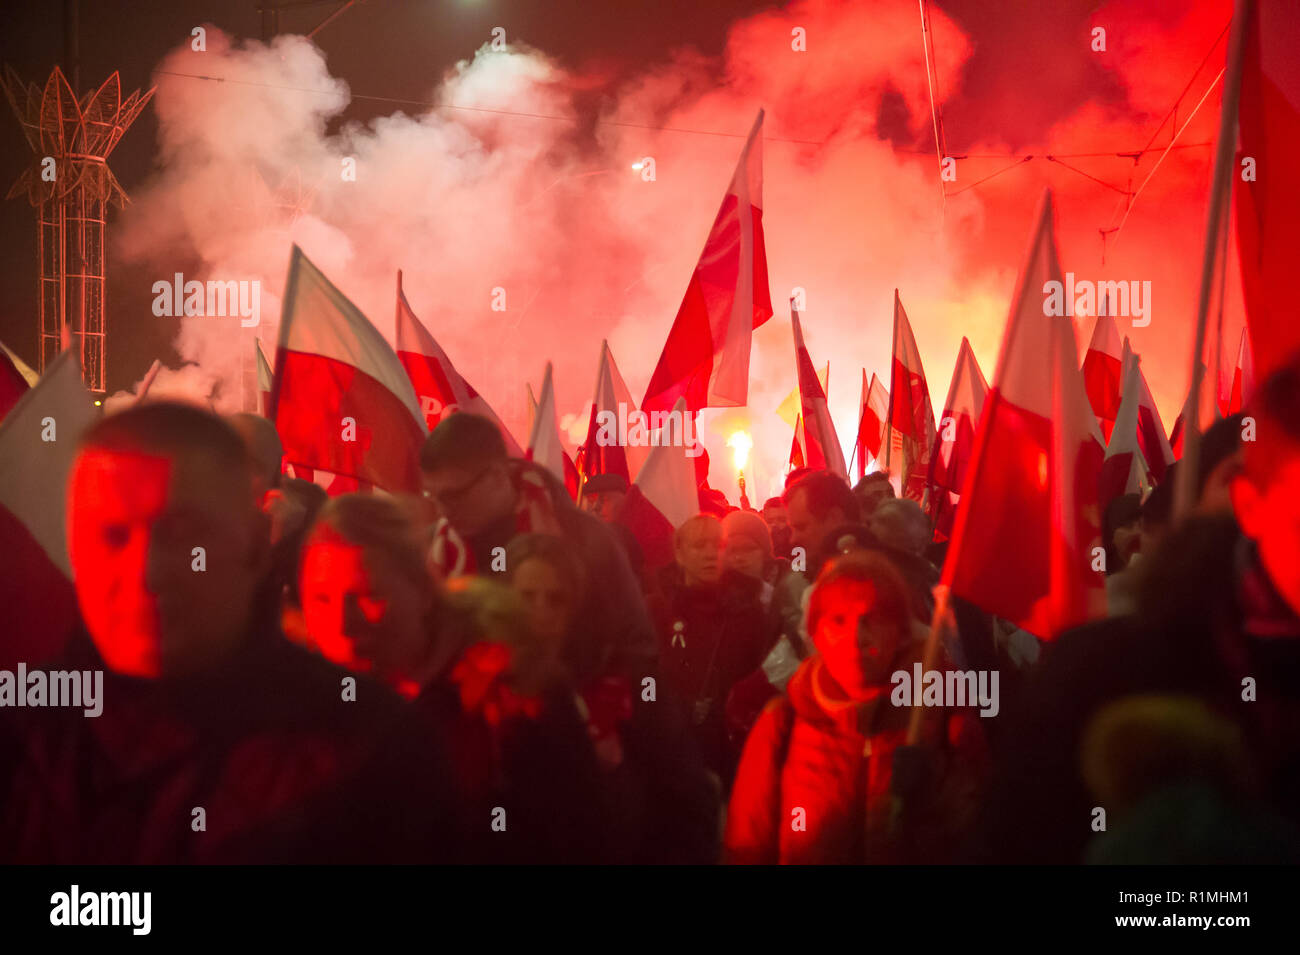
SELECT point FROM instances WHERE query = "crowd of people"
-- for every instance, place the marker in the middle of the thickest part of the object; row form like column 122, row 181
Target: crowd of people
column 491, row 672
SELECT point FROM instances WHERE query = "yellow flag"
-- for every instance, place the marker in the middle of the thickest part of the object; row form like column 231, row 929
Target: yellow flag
column 790, row 409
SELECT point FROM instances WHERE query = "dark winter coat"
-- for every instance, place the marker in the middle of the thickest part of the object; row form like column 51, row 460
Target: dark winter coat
column 525, row 763
column 709, row 638
column 284, row 769
column 1208, row 618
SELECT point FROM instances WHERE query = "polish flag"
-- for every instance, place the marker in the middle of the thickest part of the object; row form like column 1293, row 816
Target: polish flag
column 911, row 416
column 706, row 357
column 956, row 437
column 332, row 484
column 1152, row 438
column 264, row 378
column 38, row 441
column 532, row 406
column 797, row 457
column 821, row 443
column 439, row 387
column 1268, row 206
column 1176, row 438
column 341, row 400
column 611, row 395
column 667, row 480
column 873, row 412
column 544, row 444
column 1023, row 539
column 664, row 496
column 1124, row 470
column 1238, row 392
column 1102, row 371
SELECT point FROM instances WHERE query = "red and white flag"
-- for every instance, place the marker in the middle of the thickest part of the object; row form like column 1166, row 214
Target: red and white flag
column 910, row 427
column 606, row 449
column 265, row 379
column 873, row 412
column 664, row 496
column 956, row 436
column 38, row 442
column 821, row 443
column 439, row 387
column 1023, row 539
column 706, row 357
column 1124, row 470
column 1268, row 203
column 1102, row 374
column 1152, row 438
column 798, row 459
column 667, row 479
column 1235, row 393
column 341, row 400
column 961, row 415
column 544, row 445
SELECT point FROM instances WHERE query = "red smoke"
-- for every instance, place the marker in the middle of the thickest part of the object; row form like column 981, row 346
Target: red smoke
column 465, row 202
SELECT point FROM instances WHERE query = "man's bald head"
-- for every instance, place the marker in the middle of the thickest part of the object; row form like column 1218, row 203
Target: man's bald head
column 166, row 541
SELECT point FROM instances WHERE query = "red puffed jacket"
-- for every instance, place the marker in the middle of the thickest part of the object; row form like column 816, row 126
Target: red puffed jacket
column 814, row 782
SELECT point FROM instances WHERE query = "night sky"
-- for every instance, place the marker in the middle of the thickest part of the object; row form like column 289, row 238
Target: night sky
column 390, row 48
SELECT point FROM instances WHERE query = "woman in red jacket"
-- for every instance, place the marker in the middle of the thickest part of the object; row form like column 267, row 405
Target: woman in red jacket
column 816, row 782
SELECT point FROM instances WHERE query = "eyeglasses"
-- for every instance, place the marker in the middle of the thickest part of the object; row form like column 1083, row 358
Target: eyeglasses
column 442, row 498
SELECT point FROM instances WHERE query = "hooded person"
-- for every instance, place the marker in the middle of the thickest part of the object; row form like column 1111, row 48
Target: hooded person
column 818, row 779
column 486, row 498
column 218, row 741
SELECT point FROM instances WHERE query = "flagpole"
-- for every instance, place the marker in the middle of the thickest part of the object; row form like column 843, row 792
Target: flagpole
column 854, row 456
column 149, row 376
column 1216, row 218
column 600, row 373
column 889, row 416
column 928, row 659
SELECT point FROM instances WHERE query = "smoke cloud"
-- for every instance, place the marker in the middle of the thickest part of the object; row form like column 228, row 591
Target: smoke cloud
column 466, row 198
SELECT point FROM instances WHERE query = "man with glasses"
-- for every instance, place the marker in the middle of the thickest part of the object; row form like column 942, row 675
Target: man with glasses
column 486, row 498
